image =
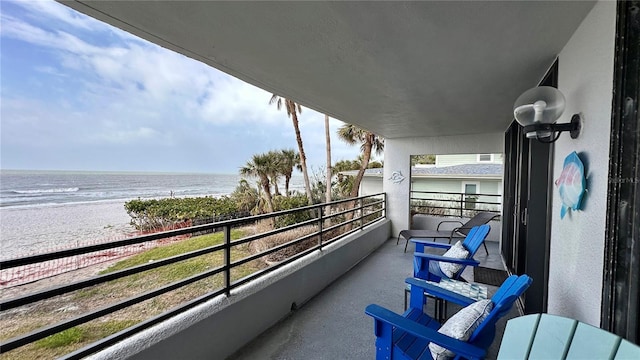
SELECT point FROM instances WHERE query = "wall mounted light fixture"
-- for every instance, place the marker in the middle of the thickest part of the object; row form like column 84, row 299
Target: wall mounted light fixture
column 538, row 109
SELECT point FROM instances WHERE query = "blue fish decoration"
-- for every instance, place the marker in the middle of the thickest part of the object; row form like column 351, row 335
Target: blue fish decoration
column 571, row 184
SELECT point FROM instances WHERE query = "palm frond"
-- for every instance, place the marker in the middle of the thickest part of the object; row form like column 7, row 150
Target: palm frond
column 275, row 99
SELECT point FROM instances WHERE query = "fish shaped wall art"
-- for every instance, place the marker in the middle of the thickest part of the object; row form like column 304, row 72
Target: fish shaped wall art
column 571, row 184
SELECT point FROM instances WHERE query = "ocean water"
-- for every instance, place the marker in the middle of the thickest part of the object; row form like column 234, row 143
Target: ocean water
column 36, row 188
column 47, row 210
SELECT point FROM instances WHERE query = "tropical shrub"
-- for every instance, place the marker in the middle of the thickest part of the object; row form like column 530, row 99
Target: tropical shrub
column 246, row 197
column 156, row 214
column 292, row 202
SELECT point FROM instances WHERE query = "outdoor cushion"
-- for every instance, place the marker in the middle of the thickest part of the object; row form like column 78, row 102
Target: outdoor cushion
column 461, row 325
column 457, row 251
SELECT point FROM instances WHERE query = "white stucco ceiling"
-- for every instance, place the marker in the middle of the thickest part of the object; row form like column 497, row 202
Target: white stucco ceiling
column 400, row 69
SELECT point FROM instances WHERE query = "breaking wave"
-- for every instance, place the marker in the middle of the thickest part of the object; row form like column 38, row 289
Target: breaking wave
column 47, row 191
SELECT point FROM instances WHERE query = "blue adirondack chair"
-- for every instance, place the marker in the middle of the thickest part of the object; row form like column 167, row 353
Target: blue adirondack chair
column 408, row 336
column 426, row 266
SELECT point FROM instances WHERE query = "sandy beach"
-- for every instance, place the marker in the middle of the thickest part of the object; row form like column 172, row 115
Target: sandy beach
column 35, row 229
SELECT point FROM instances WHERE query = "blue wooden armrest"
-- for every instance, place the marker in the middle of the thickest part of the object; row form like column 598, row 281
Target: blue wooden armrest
column 431, row 243
column 439, row 292
column 420, row 244
column 431, row 257
column 459, row 347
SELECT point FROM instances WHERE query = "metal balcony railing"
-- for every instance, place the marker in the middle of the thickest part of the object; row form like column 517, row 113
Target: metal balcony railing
column 453, row 203
column 330, row 222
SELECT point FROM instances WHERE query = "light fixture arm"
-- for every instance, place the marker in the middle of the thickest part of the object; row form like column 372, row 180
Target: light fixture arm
column 574, row 127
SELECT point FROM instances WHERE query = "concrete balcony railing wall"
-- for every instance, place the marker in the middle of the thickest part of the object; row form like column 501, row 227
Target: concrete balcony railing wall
column 221, row 326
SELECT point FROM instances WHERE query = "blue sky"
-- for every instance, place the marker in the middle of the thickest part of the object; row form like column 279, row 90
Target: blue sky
column 78, row 94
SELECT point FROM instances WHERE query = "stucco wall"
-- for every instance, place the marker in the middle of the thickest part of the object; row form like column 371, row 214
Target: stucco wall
column 577, row 241
column 397, row 157
column 455, row 159
column 370, row 185
column 458, row 159
column 373, row 185
column 444, row 185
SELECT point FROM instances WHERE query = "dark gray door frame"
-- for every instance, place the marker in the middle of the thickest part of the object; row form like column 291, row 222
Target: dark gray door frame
column 538, row 213
column 526, row 212
column 621, row 287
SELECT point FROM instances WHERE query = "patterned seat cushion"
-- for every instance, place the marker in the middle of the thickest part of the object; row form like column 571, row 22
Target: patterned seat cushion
column 470, row 290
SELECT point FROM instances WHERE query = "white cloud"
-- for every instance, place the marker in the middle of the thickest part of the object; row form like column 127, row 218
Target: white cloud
column 55, row 11
column 15, row 28
column 131, row 91
column 230, row 100
column 151, row 73
column 50, row 70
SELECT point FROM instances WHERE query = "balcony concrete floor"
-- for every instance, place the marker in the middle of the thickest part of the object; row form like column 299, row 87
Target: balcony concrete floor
column 333, row 324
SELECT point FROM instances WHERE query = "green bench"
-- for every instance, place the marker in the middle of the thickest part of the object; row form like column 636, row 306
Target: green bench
column 544, row 336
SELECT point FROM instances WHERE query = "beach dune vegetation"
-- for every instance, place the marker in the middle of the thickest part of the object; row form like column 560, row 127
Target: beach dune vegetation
column 168, row 213
column 162, row 214
column 292, row 202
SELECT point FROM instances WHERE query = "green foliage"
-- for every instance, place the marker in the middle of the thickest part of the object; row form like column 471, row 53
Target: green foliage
column 368, row 141
column 158, row 214
column 245, row 196
column 268, row 168
column 346, row 165
column 70, row 336
column 423, row 159
column 107, row 328
column 291, row 202
column 344, row 185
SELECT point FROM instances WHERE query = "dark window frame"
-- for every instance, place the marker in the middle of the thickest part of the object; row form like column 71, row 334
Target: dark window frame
column 620, row 311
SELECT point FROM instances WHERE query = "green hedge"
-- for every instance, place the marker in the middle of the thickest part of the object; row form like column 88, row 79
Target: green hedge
column 157, row 214
column 161, row 213
column 292, row 202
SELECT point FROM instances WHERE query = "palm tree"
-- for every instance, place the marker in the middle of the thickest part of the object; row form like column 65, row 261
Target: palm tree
column 328, row 142
column 274, row 170
column 259, row 167
column 369, row 141
column 292, row 111
column 288, row 160
column 245, row 196
column 346, row 165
